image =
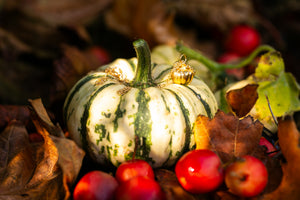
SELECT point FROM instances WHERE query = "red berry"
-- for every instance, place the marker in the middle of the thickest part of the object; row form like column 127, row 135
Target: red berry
column 95, row 185
column 140, row 187
column 199, row 171
column 101, row 54
column 242, row 40
column 133, row 168
column 271, row 150
column 246, row 177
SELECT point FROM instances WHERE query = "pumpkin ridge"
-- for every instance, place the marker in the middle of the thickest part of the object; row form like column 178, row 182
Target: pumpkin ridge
column 204, row 103
column 132, row 65
column 163, row 56
column 162, row 73
column 80, row 83
column 170, row 153
column 85, row 115
column 119, row 114
column 154, row 65
column 143, row 127
column 166, row 105
column 188, row 129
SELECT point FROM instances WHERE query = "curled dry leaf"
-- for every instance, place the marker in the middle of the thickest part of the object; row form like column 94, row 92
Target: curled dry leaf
column 42, row 170
column 44, row 119
column 46, row 158
column 63, row 12
column 289, row 141
column 17, row 162
column 226, row 134
column 21, row 164
column 241, row 100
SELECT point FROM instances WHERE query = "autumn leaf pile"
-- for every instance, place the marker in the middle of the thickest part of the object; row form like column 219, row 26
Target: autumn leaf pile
column 36, row 170
column 45, row 49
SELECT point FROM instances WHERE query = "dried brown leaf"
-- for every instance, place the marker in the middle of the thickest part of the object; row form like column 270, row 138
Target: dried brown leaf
column 9, row 113
column 63, row 12
column 44, row 118
column 145, row 19
column 227, row 135
column 170, row 185
column 22, row 166
column 37, row 170
column 152, row 21
column 32, row 35
column 46, row 158
column 69, row 161
column 243, row 99
column 217, row 14
column 16, row 163
column 289, row 141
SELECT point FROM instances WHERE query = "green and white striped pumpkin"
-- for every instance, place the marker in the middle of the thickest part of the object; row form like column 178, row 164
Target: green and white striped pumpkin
column 132, row 109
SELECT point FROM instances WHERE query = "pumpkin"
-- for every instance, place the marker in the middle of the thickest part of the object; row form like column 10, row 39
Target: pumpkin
column 134, row 110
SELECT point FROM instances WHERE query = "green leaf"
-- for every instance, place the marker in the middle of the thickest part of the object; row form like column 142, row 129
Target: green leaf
column 270, row 64
column 283, row 96
column 278, row 91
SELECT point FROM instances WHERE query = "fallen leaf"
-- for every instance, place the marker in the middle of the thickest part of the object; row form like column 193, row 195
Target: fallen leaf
column 70, row 156
column 145, row 19
column 46, row 158
column 63, row 12
column 217, row 15
column 69, row 160
column 172, row 188
column 25, row 32
column 227, row 135
column 289, row 140
column 278, row 90
column 13, row 112
column 152, row 21
column 44, row 170
column 242, row 100
column 44, row 119
column 16, row 163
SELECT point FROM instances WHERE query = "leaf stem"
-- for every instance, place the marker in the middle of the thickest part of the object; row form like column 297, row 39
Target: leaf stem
column 215, row 66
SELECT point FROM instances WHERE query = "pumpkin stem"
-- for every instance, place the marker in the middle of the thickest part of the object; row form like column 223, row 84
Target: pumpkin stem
column 215, row 66
column 143, row 77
